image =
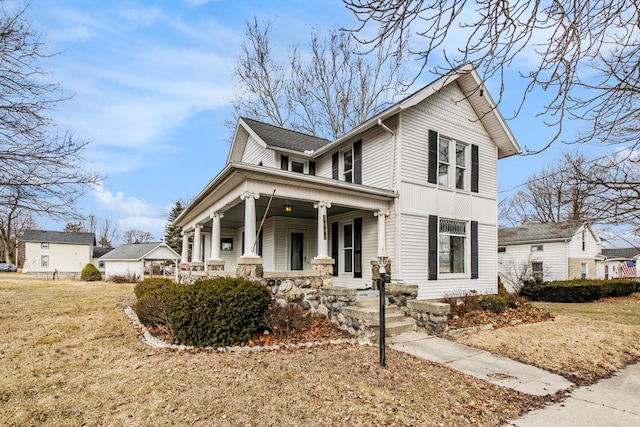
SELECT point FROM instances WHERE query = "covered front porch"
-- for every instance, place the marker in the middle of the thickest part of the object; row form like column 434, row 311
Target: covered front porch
column 274, row 225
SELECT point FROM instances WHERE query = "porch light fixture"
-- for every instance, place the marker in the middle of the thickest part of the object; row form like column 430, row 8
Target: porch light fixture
column 288, row 208
column 382, row 261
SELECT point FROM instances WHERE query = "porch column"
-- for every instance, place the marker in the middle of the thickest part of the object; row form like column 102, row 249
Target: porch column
column 184, row 256
column 249, row 223
column 382, row 215
column 197, row 241
column 323, row 235
column 215, row 235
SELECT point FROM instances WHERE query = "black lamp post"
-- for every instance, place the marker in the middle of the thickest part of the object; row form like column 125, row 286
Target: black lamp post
column 382, row 261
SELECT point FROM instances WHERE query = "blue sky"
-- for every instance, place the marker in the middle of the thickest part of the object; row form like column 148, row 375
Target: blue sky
column 151, row 84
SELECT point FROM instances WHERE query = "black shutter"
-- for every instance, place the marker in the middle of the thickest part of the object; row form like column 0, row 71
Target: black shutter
column 433, row 247
column 433, row 157
column 357, row 247
column 312, row 167
column 357, row 162
column 284, row 163
column 335, row 167
column 334, row 247
column 474, row 249
column 474, row 168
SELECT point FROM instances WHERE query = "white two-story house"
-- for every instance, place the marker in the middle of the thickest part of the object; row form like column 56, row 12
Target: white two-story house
column 417, row 183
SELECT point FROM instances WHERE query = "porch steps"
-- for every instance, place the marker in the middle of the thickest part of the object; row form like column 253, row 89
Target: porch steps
column 367, row 312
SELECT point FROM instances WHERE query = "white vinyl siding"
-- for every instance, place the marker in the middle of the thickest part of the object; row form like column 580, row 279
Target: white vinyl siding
column 553, row 257
column 255, row 153
column 65, row 257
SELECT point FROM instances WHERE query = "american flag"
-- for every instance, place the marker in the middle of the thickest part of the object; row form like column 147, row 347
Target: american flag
column 628, row 269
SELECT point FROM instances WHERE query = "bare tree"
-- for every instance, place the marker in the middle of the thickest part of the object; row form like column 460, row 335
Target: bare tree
column 323, row 92
column 584, row 55
column 107, row 232
column 137, row 236
column 13, row 221
column 41, row 171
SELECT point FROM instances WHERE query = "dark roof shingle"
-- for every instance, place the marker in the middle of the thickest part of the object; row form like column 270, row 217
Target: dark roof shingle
column 536, row 232
column 275, row 136
column 59, row 237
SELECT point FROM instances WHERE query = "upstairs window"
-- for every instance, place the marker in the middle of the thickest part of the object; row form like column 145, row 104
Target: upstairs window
column 453, row 164
column 347, row 165
column 537, row 248
column 44, row 245
column 297, row 165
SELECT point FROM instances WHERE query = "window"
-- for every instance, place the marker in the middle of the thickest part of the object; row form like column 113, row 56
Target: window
column 583, row 270
column 584, row 241
column 297, row 166
column 100, row 264
column 452, row 171
column 443, row 162
column 461, row 166
column 536, row 248
column 347, row 236
column 452, row 246
column 347, row 165
column 44, row 245
column 502, row 249
column 44, row 261
column 536, row 270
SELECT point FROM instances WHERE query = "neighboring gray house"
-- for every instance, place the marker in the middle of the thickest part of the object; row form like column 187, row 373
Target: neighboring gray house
column 549, row 251
column 132, row 259
column 48, row 251
column 416, row 183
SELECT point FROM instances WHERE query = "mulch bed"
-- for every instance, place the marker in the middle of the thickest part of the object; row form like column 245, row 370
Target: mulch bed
column 526, row 313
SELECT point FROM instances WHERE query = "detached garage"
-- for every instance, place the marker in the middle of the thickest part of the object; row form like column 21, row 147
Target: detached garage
column 131, row 259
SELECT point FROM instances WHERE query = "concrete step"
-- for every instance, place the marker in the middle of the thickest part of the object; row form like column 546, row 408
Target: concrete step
column 407, row 324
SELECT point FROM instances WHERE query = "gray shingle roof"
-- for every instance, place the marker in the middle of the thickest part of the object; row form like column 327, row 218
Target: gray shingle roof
column 98, row 251
column 58, row 237
column 278, row 137
column 537, row 232
column 132, row 251
column 626, row 253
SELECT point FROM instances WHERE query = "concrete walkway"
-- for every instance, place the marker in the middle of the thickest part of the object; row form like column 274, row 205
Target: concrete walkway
column 480, row 364
column 613, row 401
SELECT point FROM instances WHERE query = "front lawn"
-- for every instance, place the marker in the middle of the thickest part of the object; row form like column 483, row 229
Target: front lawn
column 69, row 356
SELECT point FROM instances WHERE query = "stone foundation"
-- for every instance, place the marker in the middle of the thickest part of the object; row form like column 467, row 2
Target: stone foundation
column 432, row 316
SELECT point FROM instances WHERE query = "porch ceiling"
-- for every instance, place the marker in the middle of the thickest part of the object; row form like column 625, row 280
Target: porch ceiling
column 234, row 217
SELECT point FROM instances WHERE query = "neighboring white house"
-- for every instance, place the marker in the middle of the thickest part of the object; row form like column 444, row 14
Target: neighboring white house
column 61, row 251
column 549, row 251
column 98, row 251
column 131, row 259
column 417, row 182
column 618, row 263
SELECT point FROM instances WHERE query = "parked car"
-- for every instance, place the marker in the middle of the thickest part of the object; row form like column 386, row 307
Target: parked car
column 7, row 267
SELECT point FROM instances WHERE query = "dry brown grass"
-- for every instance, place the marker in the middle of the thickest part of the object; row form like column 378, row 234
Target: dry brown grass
column 69, row 356
column 584, row 343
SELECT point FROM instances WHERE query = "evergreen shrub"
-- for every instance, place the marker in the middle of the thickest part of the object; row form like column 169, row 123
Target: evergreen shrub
column 154, row 298
column 90, row 273
column 493, row 303
column 218, row 312
column 579, row 290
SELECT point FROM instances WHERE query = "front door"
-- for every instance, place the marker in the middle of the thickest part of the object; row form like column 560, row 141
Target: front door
column 296, row 246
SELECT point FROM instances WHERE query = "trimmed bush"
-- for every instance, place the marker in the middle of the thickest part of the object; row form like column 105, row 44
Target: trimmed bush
column 493, row 303
column 90, row 273
column 218, row 312
column 154, row 298
column 582, row 290
column 283, row 322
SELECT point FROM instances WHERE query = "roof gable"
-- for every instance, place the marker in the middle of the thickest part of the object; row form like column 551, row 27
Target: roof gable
column 45, row 236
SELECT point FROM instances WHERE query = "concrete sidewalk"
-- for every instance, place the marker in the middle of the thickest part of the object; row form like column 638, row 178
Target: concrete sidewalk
column 613, row 401
column 480, row 364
